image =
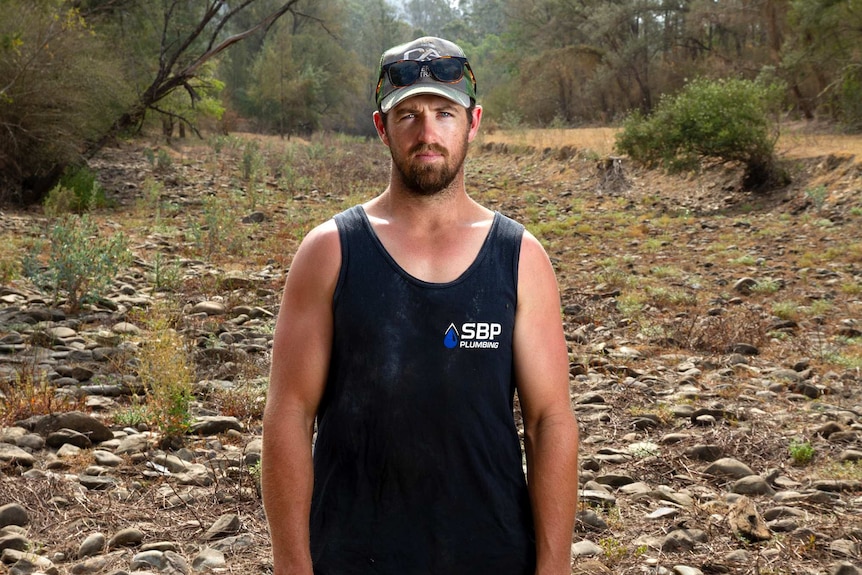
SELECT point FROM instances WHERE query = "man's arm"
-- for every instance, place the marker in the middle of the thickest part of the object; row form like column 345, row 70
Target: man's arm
column 551, row 431
column 300, row 361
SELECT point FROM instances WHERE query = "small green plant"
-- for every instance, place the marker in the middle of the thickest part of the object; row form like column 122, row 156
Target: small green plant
column 10, row 268
column 166, row 276
column 81, row 262
column 166, row 372
column 29, row 393
column 766, row 286
column 160, row 160
column 817, row 195
column 132, row 416
column 820, row 307
column 801, row 452
column 244, row 401
column 613, row 549
column 218, row 231
column 846, row 470
column 787, row 310
column 745, row 260
column 644, row 449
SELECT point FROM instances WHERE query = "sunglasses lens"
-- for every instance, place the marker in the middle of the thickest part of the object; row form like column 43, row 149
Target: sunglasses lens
column 404, row 73
column 447, row 69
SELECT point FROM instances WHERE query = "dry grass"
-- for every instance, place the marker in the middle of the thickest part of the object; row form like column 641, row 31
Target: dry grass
column 795, row 142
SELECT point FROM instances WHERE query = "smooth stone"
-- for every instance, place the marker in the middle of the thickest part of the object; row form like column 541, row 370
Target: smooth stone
column 92, row 545
column 683, row 540
column 730, row 467
column 126, row 537
column 14, row 455
column 207, row 559
column 664, row 513
column 16, row 541
column 13, row 514
column 209, row 308
column 227, row 524
column 752, row 485
column 585, row 548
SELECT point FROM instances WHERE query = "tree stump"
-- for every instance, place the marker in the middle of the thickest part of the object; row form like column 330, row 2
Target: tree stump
column 612, row 176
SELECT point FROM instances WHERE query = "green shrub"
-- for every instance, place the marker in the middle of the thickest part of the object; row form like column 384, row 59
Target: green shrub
column 801, row 452
column 78, row 191
column 81, row 263
column 710, row 120
column 166, row 372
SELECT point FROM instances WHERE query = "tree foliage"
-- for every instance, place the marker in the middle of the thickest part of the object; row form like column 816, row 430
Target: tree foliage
column 59, row 87
column 74, row 74
column 723, row 120
column 49, row 49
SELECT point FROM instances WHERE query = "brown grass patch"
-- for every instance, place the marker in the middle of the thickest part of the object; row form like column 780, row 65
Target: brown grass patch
column 794, row 142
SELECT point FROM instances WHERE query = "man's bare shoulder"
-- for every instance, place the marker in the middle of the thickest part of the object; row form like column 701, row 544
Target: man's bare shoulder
column 318, row 258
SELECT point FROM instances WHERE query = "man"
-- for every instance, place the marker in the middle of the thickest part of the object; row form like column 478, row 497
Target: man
column 406, row 326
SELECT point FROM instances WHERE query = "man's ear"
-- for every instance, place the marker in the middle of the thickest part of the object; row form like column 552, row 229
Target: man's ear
column 475, row 120
column 380, row 125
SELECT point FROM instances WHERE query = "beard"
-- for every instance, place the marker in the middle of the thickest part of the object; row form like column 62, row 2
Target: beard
column 429, row 179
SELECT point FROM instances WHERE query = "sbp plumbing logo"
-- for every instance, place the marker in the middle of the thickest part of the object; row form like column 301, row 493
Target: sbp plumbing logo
column 473, row 335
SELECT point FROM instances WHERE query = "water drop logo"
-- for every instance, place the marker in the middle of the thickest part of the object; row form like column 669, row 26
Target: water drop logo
column 450, row 338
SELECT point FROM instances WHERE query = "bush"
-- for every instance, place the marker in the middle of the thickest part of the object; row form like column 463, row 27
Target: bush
column 81, row 263
column 61, row 87
column 78, row 192
column 166, row 372
column 717, row 120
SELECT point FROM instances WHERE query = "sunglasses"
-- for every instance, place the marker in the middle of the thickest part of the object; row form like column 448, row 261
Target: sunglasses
column 447, row 69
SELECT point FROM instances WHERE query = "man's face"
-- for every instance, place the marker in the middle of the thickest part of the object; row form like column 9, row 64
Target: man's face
column 428, row 137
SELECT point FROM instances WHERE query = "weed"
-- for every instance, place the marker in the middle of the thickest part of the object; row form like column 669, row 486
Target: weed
column 630, row 305
column 152, row 192
column 665, row 271
column 745, row 260
column 614, row 277
column 644, row 449
column 664, row 297
column 10, row 268
column 160, row 160
column 613, row 549
column 219, row 231
column 166, row 372
column 766, row 286
column 81, row 263
column 245, row 401
column 29, row 393
column 76, row 192
column 167, row 276
column 788, row 310
column 801, row 452
column 817, row 195
column 844, row 470
column 132, row 416
column 820, row 307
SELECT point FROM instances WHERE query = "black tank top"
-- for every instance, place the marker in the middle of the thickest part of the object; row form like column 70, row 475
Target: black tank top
column 417, row 463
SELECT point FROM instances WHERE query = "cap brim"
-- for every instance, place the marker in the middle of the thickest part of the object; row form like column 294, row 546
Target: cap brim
column 437, row 89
